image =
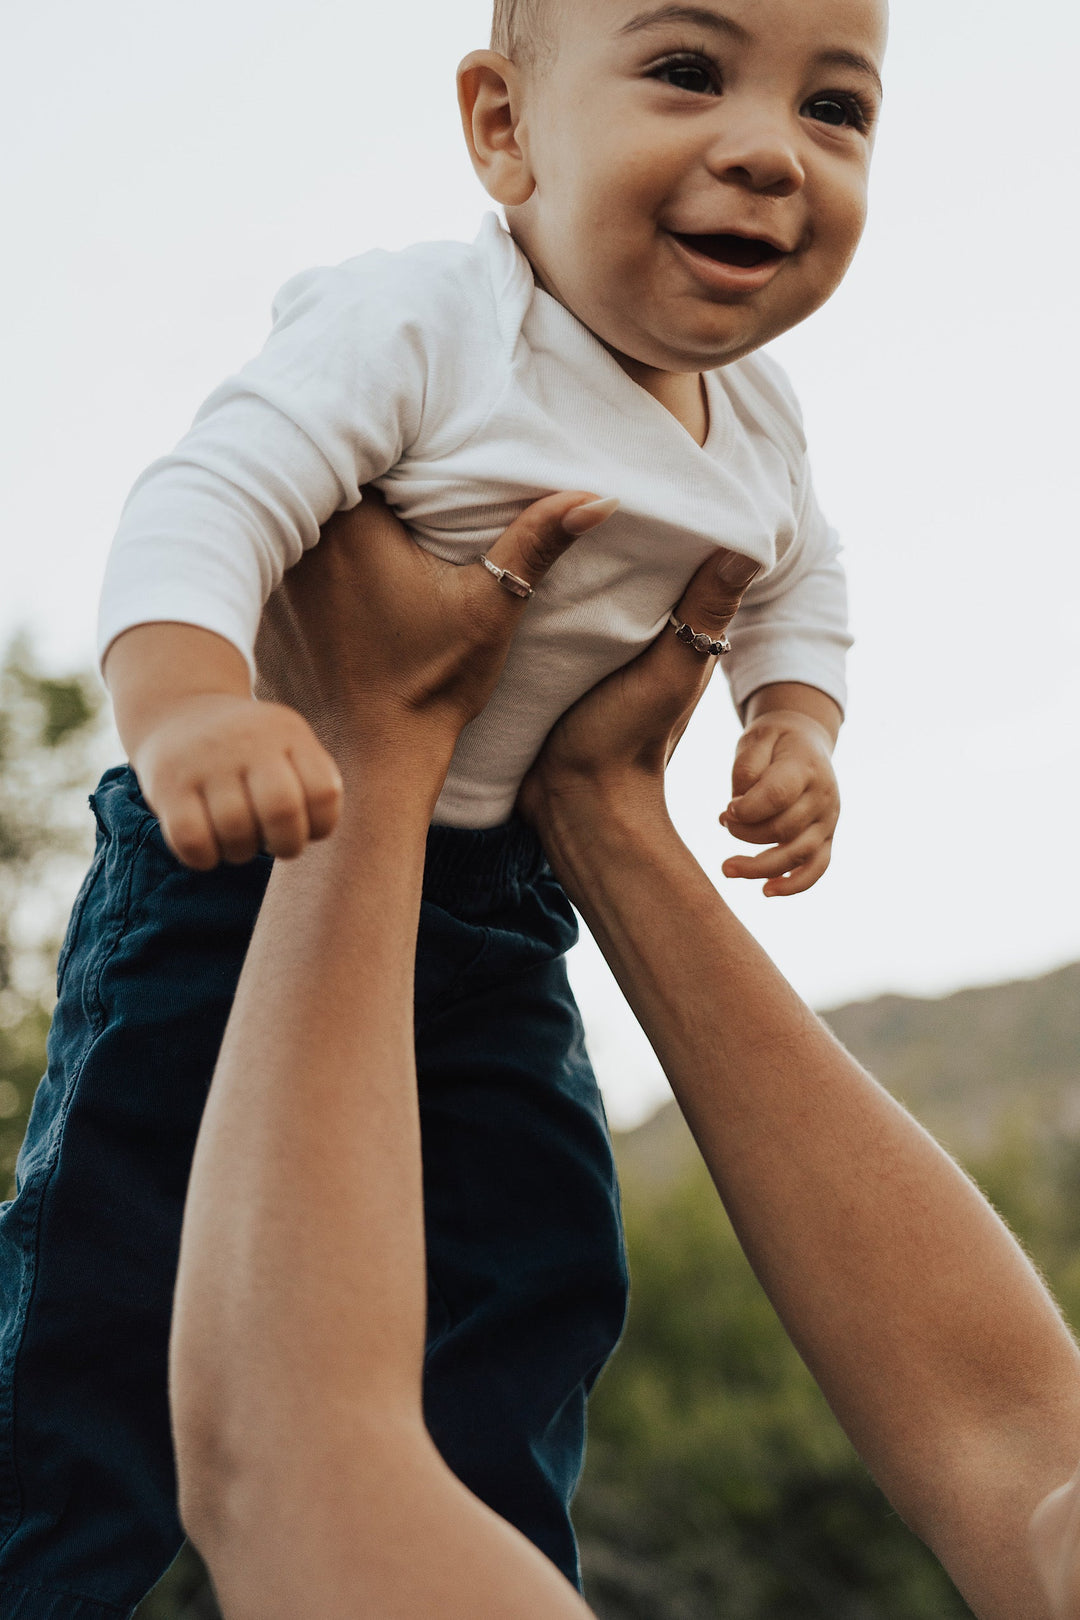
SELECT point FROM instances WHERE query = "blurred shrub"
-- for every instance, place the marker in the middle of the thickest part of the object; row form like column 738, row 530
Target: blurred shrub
column 718, row 1482
column 51, row 737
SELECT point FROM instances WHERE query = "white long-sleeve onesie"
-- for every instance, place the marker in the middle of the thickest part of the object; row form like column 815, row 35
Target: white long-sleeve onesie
column 446, row 378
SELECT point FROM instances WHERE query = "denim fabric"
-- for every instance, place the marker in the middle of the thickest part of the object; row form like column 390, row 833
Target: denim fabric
column 526, row 1267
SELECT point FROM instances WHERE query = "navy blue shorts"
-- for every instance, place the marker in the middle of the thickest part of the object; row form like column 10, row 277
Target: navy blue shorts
column 526, row 1265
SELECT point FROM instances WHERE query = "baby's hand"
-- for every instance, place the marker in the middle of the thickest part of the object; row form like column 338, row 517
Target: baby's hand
column 785, row 794
column 227, row 777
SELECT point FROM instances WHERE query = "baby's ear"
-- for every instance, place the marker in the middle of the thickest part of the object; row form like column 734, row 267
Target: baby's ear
column 489, row 95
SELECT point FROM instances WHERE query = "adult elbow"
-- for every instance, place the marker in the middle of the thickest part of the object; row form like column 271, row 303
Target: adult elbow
column 208, row 1476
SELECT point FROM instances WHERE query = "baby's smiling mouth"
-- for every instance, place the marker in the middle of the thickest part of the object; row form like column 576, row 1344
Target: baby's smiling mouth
column 741, row 252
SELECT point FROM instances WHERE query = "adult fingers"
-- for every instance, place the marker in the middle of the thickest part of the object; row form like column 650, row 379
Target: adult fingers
column 708, row 605
column 712, row 597
column 538, row 538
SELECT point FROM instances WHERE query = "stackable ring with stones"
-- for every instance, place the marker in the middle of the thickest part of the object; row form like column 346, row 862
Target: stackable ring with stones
column 509, row 582
column 698, row 639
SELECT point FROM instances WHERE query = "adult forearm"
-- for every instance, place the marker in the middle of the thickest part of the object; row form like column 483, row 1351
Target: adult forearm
column 309, row 1152
column 922, row 1320
column 307, row 1477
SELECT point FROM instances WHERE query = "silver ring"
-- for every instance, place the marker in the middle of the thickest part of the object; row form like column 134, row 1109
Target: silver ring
column 509, row 582
column 697, row 639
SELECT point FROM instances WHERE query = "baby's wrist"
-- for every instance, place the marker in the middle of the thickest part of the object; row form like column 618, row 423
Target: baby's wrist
column 819, row 737
column 795, row 704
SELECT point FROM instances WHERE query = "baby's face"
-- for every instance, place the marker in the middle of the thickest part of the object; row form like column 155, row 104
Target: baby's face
column 700, row 171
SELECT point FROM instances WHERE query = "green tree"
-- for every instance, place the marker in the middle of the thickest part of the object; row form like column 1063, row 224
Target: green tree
column 718, row 1482
column 51, row 738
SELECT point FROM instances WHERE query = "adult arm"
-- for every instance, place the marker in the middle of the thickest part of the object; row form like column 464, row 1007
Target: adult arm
column 1055, row 1542
column 307, row 1478
column 922, row 1320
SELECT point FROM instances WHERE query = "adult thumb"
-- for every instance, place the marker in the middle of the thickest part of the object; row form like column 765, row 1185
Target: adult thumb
column 712, row 598
column 538, row 538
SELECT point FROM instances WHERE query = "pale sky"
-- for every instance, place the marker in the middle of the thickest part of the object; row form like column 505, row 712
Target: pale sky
column 164, row 169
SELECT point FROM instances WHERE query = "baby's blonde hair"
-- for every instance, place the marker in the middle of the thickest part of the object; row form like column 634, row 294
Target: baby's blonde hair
column 520, row 30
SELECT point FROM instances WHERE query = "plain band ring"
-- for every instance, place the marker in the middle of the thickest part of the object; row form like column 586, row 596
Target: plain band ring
column 698, row 639
column 509, row 582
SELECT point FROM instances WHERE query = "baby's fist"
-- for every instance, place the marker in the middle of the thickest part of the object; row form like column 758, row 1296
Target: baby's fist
column 785, row 794
column 228, row 777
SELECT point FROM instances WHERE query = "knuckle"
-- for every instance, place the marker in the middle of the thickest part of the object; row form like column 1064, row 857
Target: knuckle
column 280, row 807
column 776, row 795
column 324, row 798
column 321, row 822
column 541, row 543
column 721, row 606
column 190, row 845
column 286, row 849
column 238, row 853
column 233, row 824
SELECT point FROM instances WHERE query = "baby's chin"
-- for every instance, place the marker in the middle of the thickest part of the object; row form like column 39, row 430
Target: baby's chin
column 683, row 335
column 696, row 336
column 683, row 352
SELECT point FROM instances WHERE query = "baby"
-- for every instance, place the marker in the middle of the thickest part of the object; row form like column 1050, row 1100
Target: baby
column 682, row 183
column 680, row 188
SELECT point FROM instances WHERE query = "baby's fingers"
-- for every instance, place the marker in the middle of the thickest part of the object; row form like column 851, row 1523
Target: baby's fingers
column 777, row 789
column 277, row 795
column 802, row 877
column 189, row 832
column 233, row 818
column 790, row 869
column 779, row 829
column 321, row 784
column 752, row 759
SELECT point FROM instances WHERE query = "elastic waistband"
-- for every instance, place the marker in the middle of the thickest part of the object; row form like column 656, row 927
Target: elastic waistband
column 483, row 868
column 465, row 869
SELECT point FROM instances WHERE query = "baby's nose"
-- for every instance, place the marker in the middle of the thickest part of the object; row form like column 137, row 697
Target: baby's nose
column 758, row 152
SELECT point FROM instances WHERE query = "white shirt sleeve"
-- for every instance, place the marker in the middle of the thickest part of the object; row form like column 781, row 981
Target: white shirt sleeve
column 332, row 402
column 793, row 625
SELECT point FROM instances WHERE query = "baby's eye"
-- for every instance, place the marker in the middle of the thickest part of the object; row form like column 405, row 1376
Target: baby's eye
column 689, row 73
column 838, row 110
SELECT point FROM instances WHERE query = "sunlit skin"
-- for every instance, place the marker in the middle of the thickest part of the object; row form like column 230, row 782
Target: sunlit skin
column 1055, row 1542
column 646, row 124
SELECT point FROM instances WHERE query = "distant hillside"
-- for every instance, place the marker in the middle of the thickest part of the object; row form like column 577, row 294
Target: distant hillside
column 972, row 1059
column 963, row 1064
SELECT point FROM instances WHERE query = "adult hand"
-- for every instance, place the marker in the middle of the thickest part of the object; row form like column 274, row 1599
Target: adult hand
column 620, row 736
column 370, row 633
